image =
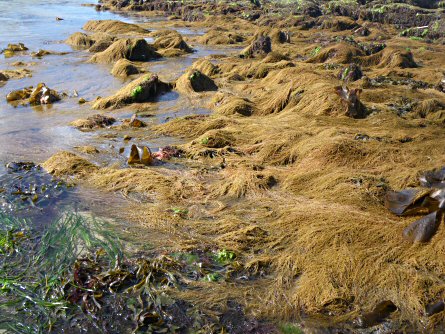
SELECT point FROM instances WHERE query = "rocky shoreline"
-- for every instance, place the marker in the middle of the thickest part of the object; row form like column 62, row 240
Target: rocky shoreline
column 319, row 167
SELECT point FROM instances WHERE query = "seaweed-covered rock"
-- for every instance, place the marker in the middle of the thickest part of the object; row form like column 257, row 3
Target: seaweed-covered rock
column 236, row 105
column 311, row 9
column 80, row 40
column 435, row 30
column 131, row 49
column 114, row 27
column 260, row 46
column 100, row 46
column 195, row 81
column 95, row 43
column 143, row 89
column 168, row 40
column 402, row 15
column 124, row 68
column 206, row 67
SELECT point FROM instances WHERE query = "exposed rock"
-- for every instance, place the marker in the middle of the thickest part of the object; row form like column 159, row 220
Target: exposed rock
column 135, row 122
column 377, row 315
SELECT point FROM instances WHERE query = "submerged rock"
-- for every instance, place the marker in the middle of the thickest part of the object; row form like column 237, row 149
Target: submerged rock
column 95, row 121
column 15, row 74
column 26, row 186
